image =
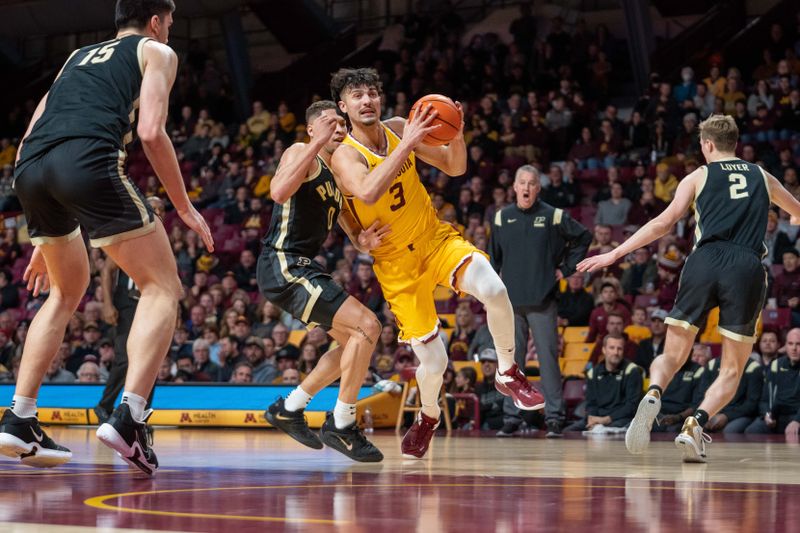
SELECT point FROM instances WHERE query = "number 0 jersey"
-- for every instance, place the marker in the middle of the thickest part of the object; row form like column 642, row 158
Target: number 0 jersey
column 406, row 206
column 732, row 204
column 95, row 96
column 300, row 225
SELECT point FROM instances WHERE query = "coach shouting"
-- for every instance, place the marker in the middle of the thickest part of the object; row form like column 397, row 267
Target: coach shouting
column 533, row 245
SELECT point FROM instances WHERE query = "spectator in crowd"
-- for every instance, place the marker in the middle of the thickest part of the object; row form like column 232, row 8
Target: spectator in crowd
column 767, row 351
column 779, row 408
column 205, row 369
column 245, row 271
column 260, row 354
column 559, row 193
column 615, row 325
column 491, row 400
column 365, row 288
column 575, row 305
column 613, row 388
column 532, row 277
column 786, row 286
column 609, row 303
column 56, row 373
column 642, row 274
column 242, row 374
column 289, row 376
column 462, row 335
column 669, row 271
column 743, row 408
column 89, row 372
column 653, row 346
column 666, row 183
column 180, row 343
column 228, row 357
column 613, row 211
column 280, row 336
column 9, row 296
column 309, row 356
column 775, row 240
column 165, row 371
column 681, row 397
column 89, row 346
column 270, row 317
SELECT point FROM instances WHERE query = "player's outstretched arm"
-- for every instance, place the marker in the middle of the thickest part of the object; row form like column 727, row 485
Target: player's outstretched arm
column 653, row 230
column 783, row 198
column 368, row 186
column 296, row 162
column 160, row 67
column 450, row 159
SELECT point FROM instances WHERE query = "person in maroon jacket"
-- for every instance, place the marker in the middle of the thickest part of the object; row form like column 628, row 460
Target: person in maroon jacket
column 786, row 287
column 615, row 326
column 609, row 302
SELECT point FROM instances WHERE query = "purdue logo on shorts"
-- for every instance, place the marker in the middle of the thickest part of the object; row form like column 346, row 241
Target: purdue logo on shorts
column 303, row 261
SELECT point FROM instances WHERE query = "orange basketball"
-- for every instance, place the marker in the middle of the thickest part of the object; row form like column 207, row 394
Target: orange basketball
column 448, row 119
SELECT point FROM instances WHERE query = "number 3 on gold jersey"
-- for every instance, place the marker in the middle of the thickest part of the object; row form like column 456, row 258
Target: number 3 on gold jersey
column 397, row 191
column 102, row 54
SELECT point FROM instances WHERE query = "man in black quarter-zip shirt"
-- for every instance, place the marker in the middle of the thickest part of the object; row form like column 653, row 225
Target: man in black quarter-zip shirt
column 534, row 245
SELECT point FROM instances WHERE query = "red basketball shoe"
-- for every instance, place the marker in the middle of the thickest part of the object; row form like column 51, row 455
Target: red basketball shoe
column 419, row 435
column 513, row 383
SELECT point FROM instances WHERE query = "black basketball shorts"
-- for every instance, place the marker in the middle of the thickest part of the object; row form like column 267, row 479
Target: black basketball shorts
column 81, row 183
column 725, row 275
column 300, row 287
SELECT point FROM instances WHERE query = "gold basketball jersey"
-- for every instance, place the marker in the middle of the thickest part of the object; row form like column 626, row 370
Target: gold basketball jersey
column 406, row 206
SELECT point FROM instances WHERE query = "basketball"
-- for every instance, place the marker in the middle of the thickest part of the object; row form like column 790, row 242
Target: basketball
column 448, row 119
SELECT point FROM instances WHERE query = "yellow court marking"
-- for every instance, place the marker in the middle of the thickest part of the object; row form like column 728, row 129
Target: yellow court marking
column 98, row 502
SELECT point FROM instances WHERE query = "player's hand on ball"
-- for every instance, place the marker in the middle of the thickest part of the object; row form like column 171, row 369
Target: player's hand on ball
column 36, row 273
column 592, row 264
column 192, row 218
column 372, row 237
column 419, row 126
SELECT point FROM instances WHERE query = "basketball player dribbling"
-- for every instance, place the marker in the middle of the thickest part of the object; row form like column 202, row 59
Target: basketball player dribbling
column 376, row 170
column 70, row 174
column 731, row 200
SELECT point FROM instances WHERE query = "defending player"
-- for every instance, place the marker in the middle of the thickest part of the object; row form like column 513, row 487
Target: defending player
column 731, row 200
column 376, row 169
column 70, row 174
column 307, row 203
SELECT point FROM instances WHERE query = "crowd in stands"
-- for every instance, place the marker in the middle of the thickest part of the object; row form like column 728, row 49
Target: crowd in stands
column 543, row 99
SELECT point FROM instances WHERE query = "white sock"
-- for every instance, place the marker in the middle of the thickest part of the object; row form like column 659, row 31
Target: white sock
column 136, row 403
column 297, row 399
column 344, row 414
column 430, row 372
column 481, row 281
column 23, row 407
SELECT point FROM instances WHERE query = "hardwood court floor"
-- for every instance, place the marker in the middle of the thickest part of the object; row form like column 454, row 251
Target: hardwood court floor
column 239, row 481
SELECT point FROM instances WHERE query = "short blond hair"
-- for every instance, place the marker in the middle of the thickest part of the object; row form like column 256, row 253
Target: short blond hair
column 721, row 130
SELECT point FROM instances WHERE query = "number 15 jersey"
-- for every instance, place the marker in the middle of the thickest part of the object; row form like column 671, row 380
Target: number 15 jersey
column 406, row 206
column 732, row 204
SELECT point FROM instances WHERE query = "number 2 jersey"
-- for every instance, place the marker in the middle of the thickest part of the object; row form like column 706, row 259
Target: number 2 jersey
column 95, row 96
column 731, row 205
column 406, row 206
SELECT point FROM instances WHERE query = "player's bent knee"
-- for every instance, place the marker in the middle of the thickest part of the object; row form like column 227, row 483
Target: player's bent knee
column 369, row 327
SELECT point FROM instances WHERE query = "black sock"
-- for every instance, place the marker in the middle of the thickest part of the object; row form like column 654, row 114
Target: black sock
column 702, row 417
column 657, row 389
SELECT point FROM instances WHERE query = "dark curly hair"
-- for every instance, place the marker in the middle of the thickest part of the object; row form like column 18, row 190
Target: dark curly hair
column 347, row 78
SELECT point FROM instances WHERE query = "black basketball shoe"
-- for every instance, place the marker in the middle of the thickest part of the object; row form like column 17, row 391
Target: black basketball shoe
column 24, row 438
column 293, row 423
column 350, row 441
column 130, row 439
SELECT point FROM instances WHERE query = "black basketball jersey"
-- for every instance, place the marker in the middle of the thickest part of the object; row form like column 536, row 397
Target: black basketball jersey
column 301, row 224
column 732, row 205
column 96, row 96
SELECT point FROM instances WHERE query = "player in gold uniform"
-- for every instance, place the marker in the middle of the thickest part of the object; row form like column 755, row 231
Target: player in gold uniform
column 375, row 168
